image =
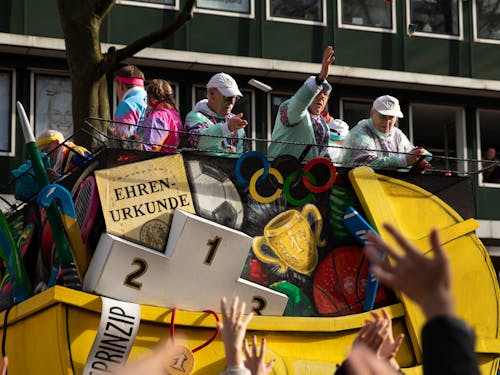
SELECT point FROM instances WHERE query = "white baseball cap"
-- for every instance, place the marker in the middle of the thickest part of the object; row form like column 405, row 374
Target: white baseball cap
column 388, row 106
column 338, row 129
column 225, row 84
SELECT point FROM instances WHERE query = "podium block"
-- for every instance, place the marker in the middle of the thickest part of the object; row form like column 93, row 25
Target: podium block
column 202, row 262
column 127, row 271
column 205, row 262
column 259, row 299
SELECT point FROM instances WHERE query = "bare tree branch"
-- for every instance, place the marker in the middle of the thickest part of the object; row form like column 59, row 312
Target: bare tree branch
column 113, row 57
column 103, row 7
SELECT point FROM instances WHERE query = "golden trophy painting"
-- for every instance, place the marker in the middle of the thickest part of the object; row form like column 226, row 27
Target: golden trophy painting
column 292, row 241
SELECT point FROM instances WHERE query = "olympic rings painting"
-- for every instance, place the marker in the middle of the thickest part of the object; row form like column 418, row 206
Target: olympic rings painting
column 284, row 176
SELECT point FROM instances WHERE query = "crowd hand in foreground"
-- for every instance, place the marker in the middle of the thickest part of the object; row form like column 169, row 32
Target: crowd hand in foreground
column 363, row 361
column 254, row 359
column 447, row 342
column 377, row 335
column 377, row 338
column 155, row 363
column 232, row 331
column 3, row 367
column 427, row 281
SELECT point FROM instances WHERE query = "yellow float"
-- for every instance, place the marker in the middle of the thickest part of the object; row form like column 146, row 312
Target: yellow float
column 52, row 332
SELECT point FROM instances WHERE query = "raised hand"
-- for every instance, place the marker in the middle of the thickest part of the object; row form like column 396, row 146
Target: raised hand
column 232, row 330
column 255, row 358
column 372, row 335
column 328, row 59
column 390, row 345
column 362, row 361
column 427, row 281
column 3, row 367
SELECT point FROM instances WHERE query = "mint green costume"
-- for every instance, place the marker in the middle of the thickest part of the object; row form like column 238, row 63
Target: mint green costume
column 374, row 148
column 294, row 123
column 209, row 131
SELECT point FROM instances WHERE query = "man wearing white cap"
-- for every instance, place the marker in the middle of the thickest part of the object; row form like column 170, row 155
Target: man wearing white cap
column 377, row 142
column 299, row 118
column 211, row 124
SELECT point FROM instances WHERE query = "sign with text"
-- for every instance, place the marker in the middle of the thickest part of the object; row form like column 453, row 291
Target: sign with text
column 115, row 337
column 139, row 199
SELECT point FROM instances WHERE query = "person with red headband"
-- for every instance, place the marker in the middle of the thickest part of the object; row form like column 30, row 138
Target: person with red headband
column 162, row 128
column 132, row 101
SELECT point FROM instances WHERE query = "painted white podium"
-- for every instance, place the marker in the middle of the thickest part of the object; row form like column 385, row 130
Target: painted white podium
column 202, row 262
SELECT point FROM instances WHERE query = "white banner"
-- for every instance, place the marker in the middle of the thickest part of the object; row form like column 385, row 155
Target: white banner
column 115, row 337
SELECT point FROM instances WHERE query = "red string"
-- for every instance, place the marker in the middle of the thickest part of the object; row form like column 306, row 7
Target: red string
column 214, row 336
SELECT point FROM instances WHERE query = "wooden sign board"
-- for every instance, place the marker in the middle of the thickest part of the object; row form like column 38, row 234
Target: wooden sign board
column 138, row 199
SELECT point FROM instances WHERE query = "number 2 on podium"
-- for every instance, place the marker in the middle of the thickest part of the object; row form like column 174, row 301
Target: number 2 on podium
column 213, row 245
column 130, row 279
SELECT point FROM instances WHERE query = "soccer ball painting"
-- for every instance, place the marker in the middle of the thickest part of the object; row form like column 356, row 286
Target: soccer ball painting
column 214, row 194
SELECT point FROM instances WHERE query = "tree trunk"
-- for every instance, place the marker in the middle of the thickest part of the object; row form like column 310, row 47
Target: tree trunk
column 81, row 24
column 88, row 66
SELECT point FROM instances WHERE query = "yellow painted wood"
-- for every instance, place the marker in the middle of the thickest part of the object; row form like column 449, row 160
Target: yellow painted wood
column 57, row 327
column 416, row 212
column 43, row 324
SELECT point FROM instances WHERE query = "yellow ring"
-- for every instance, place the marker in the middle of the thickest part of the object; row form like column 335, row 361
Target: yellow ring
column 253, row 186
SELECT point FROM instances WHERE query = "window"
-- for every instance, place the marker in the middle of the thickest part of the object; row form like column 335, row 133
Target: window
column 441, row 130
column 238, row 8
column 276, row 100
column 243, row 105
column 375, row 15
column 297, row 11
column 437, row 18
column 487, row 20
column 488, row 135
column 164, row 4
column 352, row 111
column 7, row 132
column 52, row 101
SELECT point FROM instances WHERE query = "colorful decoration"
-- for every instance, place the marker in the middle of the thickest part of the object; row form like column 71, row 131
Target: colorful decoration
column 292, row 242
column 341, row 197
column 298, row 302
column 298, row 185
column 339, row 283
column 358, row 227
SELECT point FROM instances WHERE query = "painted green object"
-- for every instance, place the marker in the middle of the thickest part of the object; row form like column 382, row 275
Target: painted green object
column 298, row 302
column 340, row 198
column 21, row 285
column 63, row 252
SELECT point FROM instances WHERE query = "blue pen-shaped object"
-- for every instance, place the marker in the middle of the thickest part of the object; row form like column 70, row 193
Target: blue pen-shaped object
column 359, row 227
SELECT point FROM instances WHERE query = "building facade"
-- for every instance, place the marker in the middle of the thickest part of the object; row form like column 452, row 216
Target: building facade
column 440, row 58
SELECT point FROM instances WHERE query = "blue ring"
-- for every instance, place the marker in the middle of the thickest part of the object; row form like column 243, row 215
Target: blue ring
column 237, row 168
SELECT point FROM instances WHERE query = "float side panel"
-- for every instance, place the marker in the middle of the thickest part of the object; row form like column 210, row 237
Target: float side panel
column 37, row 345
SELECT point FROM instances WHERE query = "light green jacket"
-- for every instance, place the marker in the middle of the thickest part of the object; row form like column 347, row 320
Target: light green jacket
column 293, row 123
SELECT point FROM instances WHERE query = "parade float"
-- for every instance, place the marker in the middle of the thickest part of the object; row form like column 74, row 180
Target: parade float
column 152, row 241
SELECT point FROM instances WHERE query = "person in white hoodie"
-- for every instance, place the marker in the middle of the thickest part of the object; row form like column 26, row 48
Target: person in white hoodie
column 211, row 124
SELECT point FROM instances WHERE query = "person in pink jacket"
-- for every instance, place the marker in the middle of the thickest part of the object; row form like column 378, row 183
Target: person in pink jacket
column 162, row 128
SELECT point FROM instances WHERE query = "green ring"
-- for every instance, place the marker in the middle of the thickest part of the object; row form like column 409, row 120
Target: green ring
column 286, row 189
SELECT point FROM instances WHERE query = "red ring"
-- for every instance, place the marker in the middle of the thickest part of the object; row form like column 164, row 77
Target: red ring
column 333, row 173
